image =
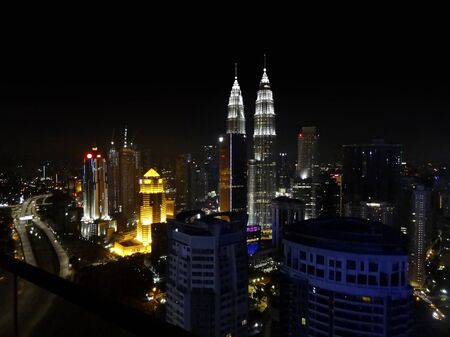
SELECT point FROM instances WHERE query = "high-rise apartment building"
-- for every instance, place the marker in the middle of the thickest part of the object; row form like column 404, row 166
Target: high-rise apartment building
column 283, row 175
column 371, row 172
column 345, row 277
column 264, row 182
column 211, row 167
column 233, row 156
column 183, row 183
column 419, row 236
column 207, row 273
column 95, row 188
column 285, row 212
column 113, row 179
column 329, row 195
column 375, row 211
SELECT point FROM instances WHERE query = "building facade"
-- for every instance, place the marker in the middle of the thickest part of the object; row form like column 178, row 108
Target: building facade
column 207, row 274
column 124, row 172
column 233, row 156
column 95, row 187
column 113, row 179
column 306, row 184
column 152, row 207
column 308, row 154
column 375, row 211
column 264, row 181
column 283, row 175
column 420, row 223
column 345, row 277
column 128, row 181
column 371, row 173
column 183, row 183
column 285, row 212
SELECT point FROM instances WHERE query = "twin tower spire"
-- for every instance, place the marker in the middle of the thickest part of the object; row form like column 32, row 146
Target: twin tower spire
column 236, row 116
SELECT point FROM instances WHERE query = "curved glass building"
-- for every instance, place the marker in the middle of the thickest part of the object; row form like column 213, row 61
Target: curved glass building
column 345, row 277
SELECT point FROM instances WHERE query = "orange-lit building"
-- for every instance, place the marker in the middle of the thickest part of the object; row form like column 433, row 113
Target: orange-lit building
column 152, row 207
column 152, row 210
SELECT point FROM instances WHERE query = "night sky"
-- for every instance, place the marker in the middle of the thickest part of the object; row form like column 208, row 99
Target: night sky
column 60, row 95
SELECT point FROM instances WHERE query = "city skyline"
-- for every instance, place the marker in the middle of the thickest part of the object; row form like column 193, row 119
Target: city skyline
column 166, row 178
column 409, row 111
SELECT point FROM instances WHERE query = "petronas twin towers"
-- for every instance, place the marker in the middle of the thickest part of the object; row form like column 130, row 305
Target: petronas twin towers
column 259, row 189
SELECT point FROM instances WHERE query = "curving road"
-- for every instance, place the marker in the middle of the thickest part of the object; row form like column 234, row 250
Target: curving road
column 41, row 249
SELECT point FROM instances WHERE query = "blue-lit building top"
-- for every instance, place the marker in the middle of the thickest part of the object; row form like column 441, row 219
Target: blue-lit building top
column 343, row 277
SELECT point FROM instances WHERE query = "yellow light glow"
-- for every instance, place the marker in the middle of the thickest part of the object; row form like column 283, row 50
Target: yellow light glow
column 366, row 299
column 153, row 205
column 126, row 248
column 151, row 174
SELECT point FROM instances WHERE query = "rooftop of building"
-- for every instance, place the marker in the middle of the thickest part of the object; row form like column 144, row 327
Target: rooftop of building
column 130, row 242
column 152, row 174
column 352, row 235
column 198, row 223
column 374, row 143
column 284, row 199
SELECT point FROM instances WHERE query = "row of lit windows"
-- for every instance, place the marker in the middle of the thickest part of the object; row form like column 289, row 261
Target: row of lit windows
column 353, row 274
column 350, row 264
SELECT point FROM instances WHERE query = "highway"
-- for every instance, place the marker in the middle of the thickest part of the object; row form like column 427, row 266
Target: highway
column 40, row 313
column 39, row 250
column 437, row 314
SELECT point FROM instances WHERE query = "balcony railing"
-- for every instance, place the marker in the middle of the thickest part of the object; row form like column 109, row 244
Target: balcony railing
column 114, row 318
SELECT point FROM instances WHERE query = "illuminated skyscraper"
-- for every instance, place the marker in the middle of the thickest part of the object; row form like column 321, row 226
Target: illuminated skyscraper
column 232, row 156
column 306, row 183
column 113, row 178
column 152, row 206
column 128, row 178
column 236, row 116
column 420, row 218
column 308, row 153
column 95, row 190
column 264, row 138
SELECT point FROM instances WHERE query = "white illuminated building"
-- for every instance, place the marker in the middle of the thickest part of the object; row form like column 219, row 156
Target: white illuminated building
column 207, row 274
column 263, row 183
column 236, row 117
column 95, row 188
column 233, row 155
